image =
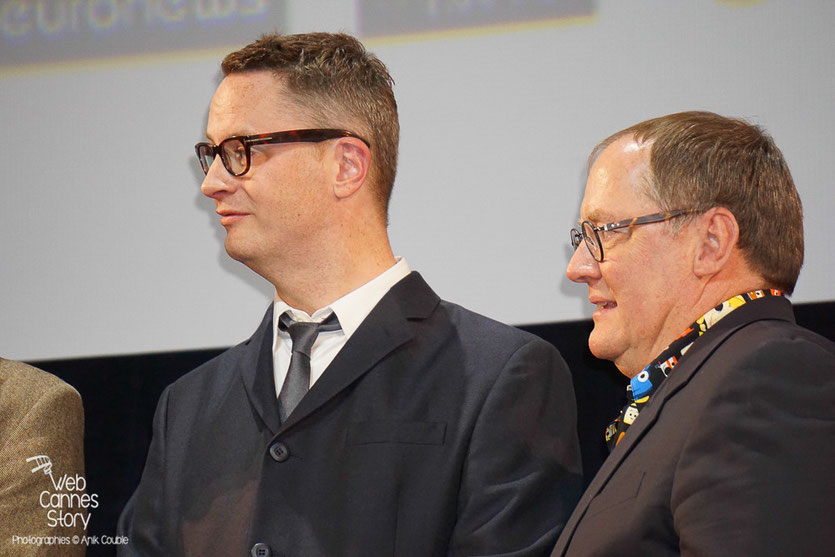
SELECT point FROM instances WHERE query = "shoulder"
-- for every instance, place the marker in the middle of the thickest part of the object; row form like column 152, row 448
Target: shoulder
column 209, row 369
column 25, row 387
column 760, row 400
column 39, row 414
column 758, row 334
column 211, row 378
column 771, row 343
column 765, row 374
column 415, row 299
column 487, row 344
column 224, row 369
column 769, row 331
column 784, row 362
column 486, row 332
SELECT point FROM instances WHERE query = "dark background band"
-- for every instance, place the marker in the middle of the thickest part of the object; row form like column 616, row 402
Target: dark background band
column 120, row 394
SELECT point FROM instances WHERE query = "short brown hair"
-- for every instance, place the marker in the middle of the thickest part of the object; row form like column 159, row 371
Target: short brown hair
column 333, row 79
column 700, row 160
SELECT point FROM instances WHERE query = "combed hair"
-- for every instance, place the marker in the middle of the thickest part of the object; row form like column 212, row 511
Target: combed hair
column 700, row 160
column 334, row 80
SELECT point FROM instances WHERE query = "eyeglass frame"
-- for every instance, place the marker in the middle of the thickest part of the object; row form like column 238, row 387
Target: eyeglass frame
column 580, row 235
column 314, row 135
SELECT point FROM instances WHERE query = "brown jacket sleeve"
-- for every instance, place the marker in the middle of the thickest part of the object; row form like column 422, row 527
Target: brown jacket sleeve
column 40, row 511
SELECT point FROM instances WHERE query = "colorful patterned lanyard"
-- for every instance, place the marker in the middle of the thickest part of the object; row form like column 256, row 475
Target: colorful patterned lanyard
column 642, row 386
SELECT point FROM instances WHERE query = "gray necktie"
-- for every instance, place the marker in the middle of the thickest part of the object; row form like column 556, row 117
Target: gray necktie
column 297, row 382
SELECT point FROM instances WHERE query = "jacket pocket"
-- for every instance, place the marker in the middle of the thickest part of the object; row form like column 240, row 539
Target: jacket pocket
column 393, row 431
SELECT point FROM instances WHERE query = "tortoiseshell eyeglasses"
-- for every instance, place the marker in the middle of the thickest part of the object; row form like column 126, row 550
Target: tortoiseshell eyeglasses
column 235, row 151
column 589, row 232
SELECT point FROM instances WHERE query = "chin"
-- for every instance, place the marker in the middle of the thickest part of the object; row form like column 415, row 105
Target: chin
column 237, row 252
column 601, row 345
column 607, row 345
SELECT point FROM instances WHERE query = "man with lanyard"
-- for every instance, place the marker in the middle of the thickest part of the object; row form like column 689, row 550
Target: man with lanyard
column 690, row 237
column 365, row 416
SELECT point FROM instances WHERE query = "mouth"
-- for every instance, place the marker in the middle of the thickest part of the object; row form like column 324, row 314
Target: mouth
column 603, row 306
column 228, row 217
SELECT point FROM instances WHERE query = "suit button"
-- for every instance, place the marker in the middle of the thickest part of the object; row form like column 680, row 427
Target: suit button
column 279, row 451
column 260, row 550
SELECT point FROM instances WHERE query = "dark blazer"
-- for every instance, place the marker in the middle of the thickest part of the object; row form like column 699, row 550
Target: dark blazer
column 40, row 415
column 733, row 455
column 434, row 431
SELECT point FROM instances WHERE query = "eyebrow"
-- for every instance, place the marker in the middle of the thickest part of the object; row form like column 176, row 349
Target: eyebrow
column 599, row 216
column 225, row 138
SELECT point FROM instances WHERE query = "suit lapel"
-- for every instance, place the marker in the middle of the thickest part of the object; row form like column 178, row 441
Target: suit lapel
column 770, row 308
column 386, row 328
column 256, row 364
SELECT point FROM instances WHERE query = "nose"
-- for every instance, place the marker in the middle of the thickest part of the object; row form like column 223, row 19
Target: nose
column 582, row 267
column 217, row 180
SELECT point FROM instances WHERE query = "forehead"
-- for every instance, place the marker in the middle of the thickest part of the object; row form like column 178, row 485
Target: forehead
column 615, row 186
column 249, row 103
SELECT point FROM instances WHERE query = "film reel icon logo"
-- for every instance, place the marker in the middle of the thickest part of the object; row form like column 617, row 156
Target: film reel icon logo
column 42, row 462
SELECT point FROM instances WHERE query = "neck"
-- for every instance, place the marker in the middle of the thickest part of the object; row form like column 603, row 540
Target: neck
column 711, row 293
column 349, row 262
column 724, row 286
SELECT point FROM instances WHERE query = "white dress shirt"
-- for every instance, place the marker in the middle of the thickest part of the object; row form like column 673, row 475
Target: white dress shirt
column 351, row 310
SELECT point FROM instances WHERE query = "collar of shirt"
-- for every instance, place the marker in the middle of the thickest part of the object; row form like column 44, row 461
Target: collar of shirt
column 351, row 310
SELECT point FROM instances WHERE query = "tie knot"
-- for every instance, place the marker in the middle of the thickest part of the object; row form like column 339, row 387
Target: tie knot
column 303, row 333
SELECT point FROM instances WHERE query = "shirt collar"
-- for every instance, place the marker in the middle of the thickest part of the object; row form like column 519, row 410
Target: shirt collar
column 352, row 308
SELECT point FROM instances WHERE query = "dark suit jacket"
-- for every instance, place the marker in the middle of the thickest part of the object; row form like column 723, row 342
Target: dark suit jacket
column 40, row 415
column 434, row 431
column 733, row 455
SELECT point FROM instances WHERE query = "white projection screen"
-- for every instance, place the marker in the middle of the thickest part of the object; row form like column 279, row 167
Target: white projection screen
column 108, row 247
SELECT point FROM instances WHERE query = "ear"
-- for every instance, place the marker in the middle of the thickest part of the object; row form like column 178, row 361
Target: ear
column 718, row 235
column 353, row 158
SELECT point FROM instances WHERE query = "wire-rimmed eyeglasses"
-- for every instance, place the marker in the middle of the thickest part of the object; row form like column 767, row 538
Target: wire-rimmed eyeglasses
column 589, row 232
column 235, row 151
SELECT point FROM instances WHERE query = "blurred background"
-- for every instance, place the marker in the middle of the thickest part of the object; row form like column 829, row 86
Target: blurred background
column 107, row 246
column 112, row 269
